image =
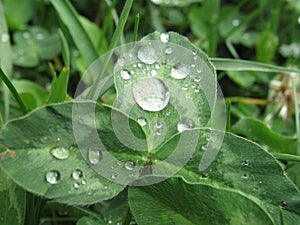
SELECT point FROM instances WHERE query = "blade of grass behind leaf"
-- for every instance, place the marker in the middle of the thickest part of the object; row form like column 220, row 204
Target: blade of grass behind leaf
column 5, row 59
column 12, row 89
column 71, row 18
column 247, row 65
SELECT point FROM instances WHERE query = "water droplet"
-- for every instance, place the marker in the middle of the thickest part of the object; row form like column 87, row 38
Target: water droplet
column 159, row 131
column 235, row 22
column 159, row 124
column 187, row 96
column 4, row 37
column 184, row 88
column 180, row 71
column 282, row 204
column 77, row 174
column 255, row 188
column 245, row 176
column 76, row 185
column 60, row 153
column 205, row 147
column 299, row 19
column 114, row 176
column 83, row 182
column 43, row 140
column 39, row 36
column 58, row 139
column 153, row 72
column 169, row 50
column 193, row 65
column 205, row 176
column 195, row 57
column 245, row 163
column 129, row 165
column 147, row 54
column 185, row 124
column 94, row 155
column 52, row 177
column 139, row 65
column 142, row 121
column 151, row 94
column 199, row 70
column 157, row 66
column 164, row 37
column 197, row 79
column 197, row 90
column 125, row 74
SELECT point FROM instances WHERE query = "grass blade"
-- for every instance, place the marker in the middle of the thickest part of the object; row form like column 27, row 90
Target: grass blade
column 12, row 89
column 70, row 17
column 247, row 65
column 296, row 105
column 136, row 27
column 5, row 59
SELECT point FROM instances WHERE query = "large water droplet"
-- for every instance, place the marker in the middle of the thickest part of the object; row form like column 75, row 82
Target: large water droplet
column 60, row 153
column 4, row 37
column 151, row 94
column 94, row 155
column 125, row 74
column 185, row 124
column 77, row 174
column 129, row 165
column 164, row 37
column 52, row 177
column 43, row 140
column 180, row 71
column 147, row 54
column 142, row 121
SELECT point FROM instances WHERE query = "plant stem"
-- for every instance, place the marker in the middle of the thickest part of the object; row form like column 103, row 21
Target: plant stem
column 136, row 27
column 286, row 157
column 295, row 94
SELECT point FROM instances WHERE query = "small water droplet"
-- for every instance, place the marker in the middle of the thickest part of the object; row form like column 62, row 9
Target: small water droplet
column 194, row 53
column 125, row 74
column 205, row 147
column 39, row 36
column 129, row 165
column 180, row 71
column 58, row 139
column 114, row 176
column 142, row 121
column 235, row 22
column 153, row 72
column 195, row 57
column 83, row 182
column 147, row 54
column 255, row 188
column 164, row 37
column 94, row 155
column 60, row 153
column 197, row 90
column 139, row 65
column 197, row 79
column 76, row 185
column 193, row 65
column 157, row 66
column 185, row 124
column 151, row 94
column 4, row 37
column 205, row 176
column 159, row 131
column 245, row 163
column 184, row 88
column 245, row 176
column 77, row 174
column 52, row 177
column 43, row 140
column 199, row 70
column 159, row 124
column 187, row 96
column 169, row 50
column 282, row 204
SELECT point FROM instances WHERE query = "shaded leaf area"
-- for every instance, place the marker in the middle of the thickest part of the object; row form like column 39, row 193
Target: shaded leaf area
column 89, row 221
column 256, row 130
column 184, row 203
column 44, row 149
column 240, row 165
column 13, row 201
column 164, row 81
